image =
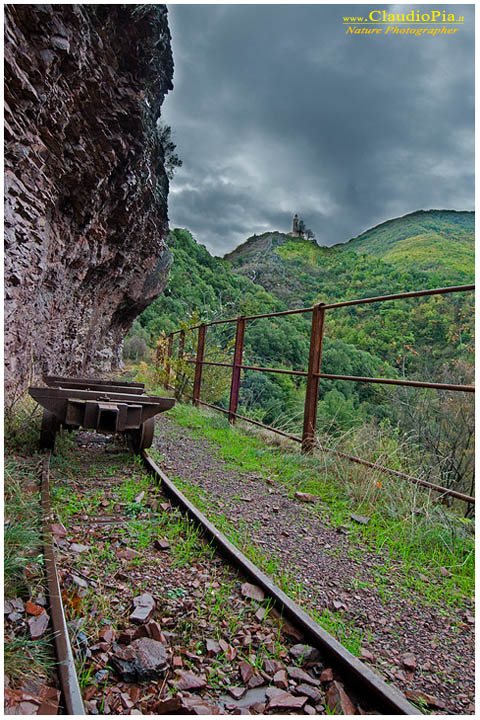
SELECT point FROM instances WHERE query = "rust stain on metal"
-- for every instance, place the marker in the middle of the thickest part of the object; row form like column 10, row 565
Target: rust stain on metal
column 236, row 372
column 311, row 393
column 199, row 363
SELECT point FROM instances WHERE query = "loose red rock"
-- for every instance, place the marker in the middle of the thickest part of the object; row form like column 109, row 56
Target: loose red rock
column 189, row 681
column 144, row 606
column 38, row 625
column 253, row 592
column 287, row 701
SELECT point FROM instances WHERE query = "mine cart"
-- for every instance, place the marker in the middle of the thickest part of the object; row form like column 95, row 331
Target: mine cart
column 108, row 406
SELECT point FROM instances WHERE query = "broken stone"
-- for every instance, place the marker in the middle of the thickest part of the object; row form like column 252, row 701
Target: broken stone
column 47, row 697
column 78, row 548
column 38, row 624
column 189, row 681
column 126, row 636
column 256, row 680
column 143, row 659
column 305, row 497
column 304, row 653
column 80, row 582
column 260, row 614
column 107, row 635
column 144, row 607
column 198, row 706
column 167, row 705
column 337, row 699
column 280, row 679
column 314, row 695
column 237, row 692
column 155, row 632
column 252, row 591
column 213, row 648
column 127, row 554
column 362, row 519
column 32, row 609
column 326, row 675
column 367, row 656
column 301, row 676
column 430, row 700
column 58, row 530
column 287, row 701
column 409, row 661
column 272, row 666
column 162, row 544
column 246, row 671
column 140, row 497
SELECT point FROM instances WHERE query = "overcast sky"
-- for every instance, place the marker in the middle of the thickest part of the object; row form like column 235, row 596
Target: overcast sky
column 277, row 111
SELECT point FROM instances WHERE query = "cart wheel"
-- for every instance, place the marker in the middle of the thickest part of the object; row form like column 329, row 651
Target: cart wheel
column 142, row 438
column 48, row 431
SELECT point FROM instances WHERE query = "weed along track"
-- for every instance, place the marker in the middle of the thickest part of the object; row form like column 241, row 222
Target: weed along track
column 166, row 616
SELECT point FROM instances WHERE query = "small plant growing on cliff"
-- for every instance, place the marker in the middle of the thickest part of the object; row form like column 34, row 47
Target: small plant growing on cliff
column 171, row 159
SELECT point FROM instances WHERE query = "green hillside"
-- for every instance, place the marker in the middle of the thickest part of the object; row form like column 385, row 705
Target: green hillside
column 429, row 338
column 437, row 242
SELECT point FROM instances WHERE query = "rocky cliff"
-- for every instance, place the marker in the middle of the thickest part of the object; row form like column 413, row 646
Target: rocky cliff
column 86, row 187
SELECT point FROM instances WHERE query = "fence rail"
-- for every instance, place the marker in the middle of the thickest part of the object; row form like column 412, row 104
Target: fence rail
column 312, row 375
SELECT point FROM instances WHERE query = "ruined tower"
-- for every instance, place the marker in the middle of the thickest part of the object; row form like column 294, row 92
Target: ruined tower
column 295, row 232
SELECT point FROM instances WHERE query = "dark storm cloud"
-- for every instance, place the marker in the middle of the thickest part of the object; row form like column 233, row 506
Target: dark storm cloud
column 276, row 111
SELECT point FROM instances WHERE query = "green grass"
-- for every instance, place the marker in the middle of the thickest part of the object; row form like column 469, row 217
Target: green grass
column 23, row 558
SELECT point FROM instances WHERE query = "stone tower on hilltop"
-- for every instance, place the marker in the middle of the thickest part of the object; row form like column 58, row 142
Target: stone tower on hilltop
column 295, row 228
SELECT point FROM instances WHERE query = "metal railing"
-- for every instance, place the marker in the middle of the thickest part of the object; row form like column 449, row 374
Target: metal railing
column 312, row 375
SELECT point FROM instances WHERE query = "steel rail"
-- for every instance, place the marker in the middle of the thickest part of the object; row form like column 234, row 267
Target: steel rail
column 352, row 378
column 361, row 678
column 404, row 476
column 71, row 693
column 353, row 458
column 254, row 422
column 346, row 303
column 391, row 381
column 254, row 317
column 401, row 296
column 274, row 370
column 209, row 362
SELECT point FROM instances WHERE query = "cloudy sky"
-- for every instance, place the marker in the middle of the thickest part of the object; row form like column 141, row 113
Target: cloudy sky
column 277, row 111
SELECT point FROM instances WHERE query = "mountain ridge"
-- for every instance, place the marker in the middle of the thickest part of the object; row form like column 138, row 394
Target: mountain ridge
column 437, row 243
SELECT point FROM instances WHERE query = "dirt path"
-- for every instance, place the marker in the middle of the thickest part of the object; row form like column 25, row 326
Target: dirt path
column 426, row 654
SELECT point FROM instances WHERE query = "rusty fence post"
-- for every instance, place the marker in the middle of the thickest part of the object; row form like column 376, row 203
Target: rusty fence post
column 314, row 364
column 236, row 370
column 181, row 349
column 168, row 361
column 198, row 364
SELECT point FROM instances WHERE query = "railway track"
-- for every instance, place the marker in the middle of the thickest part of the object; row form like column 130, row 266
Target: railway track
column 345, row 679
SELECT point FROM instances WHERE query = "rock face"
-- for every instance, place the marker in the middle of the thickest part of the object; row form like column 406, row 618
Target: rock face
column 86, row 187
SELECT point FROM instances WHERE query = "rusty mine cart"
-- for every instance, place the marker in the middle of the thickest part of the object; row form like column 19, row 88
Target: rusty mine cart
column 107, row 406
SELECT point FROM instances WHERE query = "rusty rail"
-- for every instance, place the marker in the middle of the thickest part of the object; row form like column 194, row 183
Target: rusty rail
column 312, row 375
column 71, row 693
column 390, row 700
